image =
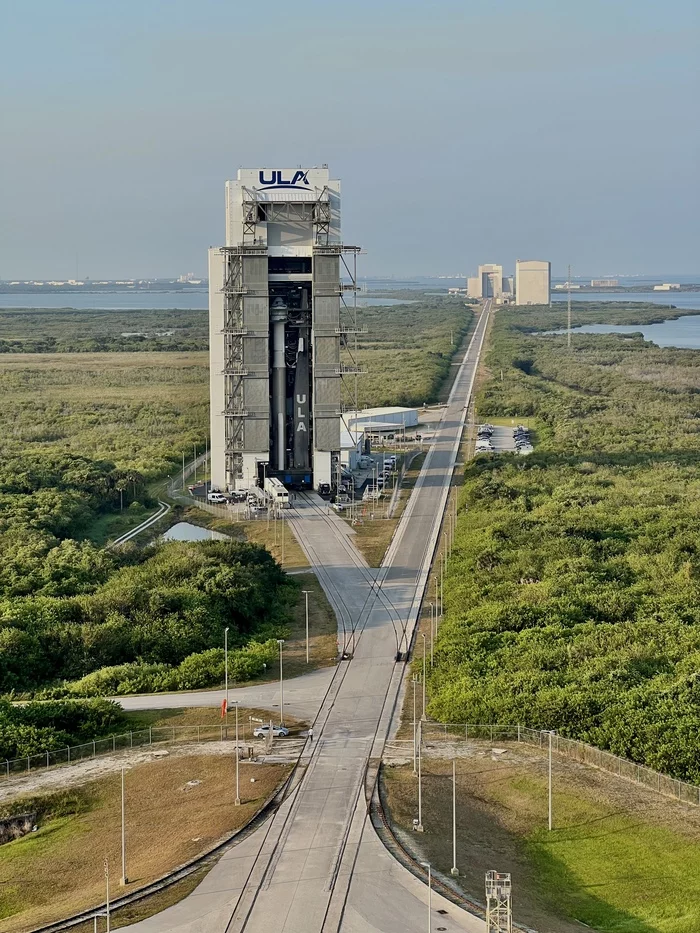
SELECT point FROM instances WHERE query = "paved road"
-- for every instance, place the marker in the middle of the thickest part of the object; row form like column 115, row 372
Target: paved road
column 316, row 866
column 301, row 696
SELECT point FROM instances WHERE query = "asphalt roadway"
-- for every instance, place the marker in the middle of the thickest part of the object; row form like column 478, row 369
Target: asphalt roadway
column 317, row 866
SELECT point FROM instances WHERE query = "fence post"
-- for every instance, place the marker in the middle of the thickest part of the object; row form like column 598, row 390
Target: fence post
column 7, row 768
column 199, row 739
column 173, row 733
column 131, row 739
column 114, row 743
column 221, row 733
column 29, row 767
column 150, row 735
column 47, row 757
column 491, row 733
column 518, row 732
column 69, row 754
column 94, row 749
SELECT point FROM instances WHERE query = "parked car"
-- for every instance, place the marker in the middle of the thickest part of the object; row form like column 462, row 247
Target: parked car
column 217, row 497
column 262, row 732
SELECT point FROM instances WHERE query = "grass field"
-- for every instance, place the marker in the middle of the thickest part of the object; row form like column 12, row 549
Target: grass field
column 620, row 859
column 140, row 410
column 177, row 807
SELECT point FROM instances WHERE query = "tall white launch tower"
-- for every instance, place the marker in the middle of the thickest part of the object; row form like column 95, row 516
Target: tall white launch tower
column 275, row 330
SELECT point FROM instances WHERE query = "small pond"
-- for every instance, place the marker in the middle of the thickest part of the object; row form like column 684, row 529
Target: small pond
column 186, row 531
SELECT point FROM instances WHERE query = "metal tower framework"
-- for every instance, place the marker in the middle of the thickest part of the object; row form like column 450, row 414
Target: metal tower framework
column 234, row 331
column 499, row 912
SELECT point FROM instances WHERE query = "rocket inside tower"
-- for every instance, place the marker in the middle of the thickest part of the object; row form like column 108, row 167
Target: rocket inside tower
column 290, row 352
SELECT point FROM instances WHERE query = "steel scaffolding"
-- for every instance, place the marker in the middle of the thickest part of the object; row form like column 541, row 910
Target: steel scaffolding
column 499, row 913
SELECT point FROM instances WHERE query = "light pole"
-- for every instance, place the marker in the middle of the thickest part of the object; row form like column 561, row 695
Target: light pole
column 419, row 827
column 107, row 885
column 549, row 788
column 432, row 636
column 280, row 642
column 414, row 681
column 454, row 871
column 124, row 878
column 430, row 893
column 306, row 596
column 422, row 635
column 226, row 679
column 238, row 788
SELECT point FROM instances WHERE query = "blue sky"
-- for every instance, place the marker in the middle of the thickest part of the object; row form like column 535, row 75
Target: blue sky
column 478, row 131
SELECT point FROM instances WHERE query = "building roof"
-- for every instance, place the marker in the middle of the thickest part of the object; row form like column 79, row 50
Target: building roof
column 379, row 412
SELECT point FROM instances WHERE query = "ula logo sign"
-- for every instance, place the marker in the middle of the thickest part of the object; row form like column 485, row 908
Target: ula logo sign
column 302, row 413
column 276, row 180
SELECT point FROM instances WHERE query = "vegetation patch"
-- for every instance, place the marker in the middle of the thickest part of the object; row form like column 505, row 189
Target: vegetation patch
column 573, row 591
column 177, row 807
column 619, row 859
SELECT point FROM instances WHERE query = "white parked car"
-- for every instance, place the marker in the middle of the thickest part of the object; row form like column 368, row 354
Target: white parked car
column 217, row 497
column 262, row 732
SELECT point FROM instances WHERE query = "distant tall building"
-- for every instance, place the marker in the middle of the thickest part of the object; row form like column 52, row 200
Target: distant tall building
column 533, row 282
column 487, row 283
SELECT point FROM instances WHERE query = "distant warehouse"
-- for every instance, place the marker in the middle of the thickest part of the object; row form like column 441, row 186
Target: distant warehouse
column 533, row 282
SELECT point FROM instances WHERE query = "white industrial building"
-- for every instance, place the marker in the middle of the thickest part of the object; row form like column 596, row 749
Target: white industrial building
column 275, row 330
column 668, row 287
column 392, row 417
column 533, row 282
column 487, row 283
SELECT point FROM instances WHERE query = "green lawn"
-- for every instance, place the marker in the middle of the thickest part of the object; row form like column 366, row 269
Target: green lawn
column 619, row 859
column 614, row 871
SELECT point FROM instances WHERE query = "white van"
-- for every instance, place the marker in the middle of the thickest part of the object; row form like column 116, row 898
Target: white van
column 217, row 498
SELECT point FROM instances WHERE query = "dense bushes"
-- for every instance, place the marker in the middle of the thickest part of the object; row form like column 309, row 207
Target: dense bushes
column 37, row 727
column 173, row 604
column 573, row 593
column 195, row 672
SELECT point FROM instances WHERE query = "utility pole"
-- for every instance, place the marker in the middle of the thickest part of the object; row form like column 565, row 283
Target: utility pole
column 419, row 827
column 124, row 877
column 237, row 802
column 306, row 597
column 454, row 870
column 568, row 309
column 226, row 679
column 432, row 635
column 414, row 681
column 280, row 642
column 106, row 863
column 424, row 652
column 430, row 893
column 549, row 788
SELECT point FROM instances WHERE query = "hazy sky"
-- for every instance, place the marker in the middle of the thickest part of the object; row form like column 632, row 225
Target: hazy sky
column 463, row 132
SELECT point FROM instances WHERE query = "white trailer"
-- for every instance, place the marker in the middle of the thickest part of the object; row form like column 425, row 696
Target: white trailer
column 276, row 492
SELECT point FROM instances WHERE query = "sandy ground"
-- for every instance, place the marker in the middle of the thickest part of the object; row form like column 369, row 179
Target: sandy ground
column 91, row 769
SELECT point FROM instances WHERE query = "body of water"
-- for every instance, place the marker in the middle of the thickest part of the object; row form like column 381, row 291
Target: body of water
column 186, row 531
column 677, row 299
column 137, row 301
column 683, row 332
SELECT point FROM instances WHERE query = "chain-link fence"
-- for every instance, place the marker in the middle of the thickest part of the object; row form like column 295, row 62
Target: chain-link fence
column 569, row 748
column 154, row 735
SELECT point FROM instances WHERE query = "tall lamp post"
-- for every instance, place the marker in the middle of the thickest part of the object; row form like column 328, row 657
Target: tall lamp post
column 226, row 679
column 430, row 893
column 422, row 635
column 280, row 642
column 306, row 597
column 454, row 870
column 238, row 786
column 124, row 879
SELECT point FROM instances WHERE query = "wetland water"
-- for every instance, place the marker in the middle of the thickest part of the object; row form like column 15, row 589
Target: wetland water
column 683, row 332
column 139, row 301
